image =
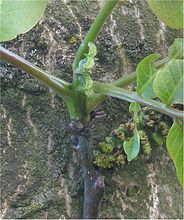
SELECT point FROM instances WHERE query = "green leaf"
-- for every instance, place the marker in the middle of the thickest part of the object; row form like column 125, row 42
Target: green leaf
column 19, row 16
column 176, row 50
column 85, row 84
column 168, row 83
column 89, row 63
column 145, row 75
column 134, row 107
column 92, row 49
column 169, row 11
column 132, row 147
column 175, row 148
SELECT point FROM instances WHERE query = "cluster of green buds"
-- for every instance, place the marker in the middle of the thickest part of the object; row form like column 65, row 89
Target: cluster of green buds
column 145, row 143
column 110, row 152
column 157, row 127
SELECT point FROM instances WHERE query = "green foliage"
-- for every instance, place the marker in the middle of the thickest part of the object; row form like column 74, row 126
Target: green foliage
column 109, row 153
column 151, row 128
column 176, row 50
column 145, row 143
column 168, row 83
column 88, row 61
column 90, row 56
column 143, row 137
column 158, row 139
column 106, row 161
column 170, row 12
column 134, row 107
column 164, row 128
column 145, row 75
column 106, row 147
column 146, row 149
column 85, row 82
column 103, row 160
column 18, row 17
column 175, row 148
column 132, row 147
column 120, row 160
column 119, row 132
column 165, row 83
column 109, row 140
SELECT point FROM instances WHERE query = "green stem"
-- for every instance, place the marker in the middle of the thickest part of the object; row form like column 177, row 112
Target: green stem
column 121, row 82
column 125, row 80
column 77, row 107
column 94, row 31
column 130, row 96
column 75, row 101
column 58, row 85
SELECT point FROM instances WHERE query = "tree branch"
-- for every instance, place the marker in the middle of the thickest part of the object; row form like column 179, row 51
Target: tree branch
column 130, row 96
column 94, row 31
column 58, row 85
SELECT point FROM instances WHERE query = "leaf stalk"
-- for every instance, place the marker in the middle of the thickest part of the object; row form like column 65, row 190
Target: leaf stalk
column 131, row 96
column 121, row 82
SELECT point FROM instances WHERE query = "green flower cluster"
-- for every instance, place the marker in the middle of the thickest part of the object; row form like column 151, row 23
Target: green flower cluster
column 110, row 152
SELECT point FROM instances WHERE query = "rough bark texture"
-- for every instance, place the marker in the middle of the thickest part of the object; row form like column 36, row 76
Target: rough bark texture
column 40, row 176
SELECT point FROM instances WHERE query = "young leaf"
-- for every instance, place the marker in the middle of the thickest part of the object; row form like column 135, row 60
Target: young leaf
column 18, row 17
column 134, row 107
column 168, row 82
column 175, row 148
column 145, row 75
column 85, row 84
column 169, row 11
column 92, row 49
column 176, row 50
column 132, row 147
column 89, row 63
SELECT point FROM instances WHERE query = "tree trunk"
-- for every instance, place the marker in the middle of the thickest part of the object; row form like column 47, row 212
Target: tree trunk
column 40, row 172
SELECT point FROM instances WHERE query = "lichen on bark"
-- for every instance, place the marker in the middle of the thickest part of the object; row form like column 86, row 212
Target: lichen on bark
column 39, row 168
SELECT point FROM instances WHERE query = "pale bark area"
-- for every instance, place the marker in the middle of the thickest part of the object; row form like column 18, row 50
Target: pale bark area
column 40, row 176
